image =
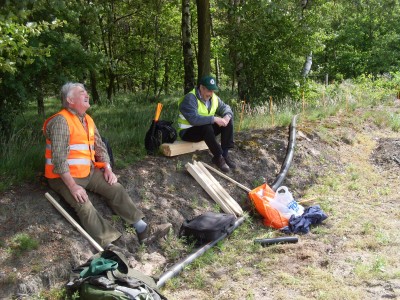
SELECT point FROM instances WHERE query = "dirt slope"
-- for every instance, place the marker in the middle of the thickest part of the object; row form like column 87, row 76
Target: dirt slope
column 166, row 192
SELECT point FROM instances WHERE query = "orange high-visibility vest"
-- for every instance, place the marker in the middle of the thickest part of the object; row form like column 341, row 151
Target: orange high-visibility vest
column 81, row 146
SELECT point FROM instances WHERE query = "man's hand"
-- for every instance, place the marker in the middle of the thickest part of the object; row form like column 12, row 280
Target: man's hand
column 79, row 193
column 222, row 122
column 109, row 176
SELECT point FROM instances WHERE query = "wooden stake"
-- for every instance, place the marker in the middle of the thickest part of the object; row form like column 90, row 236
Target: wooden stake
column 73, row 222
column 202, row 181
column 221, row 191
column 307, row 200
column 241, row 114
column 227, row 177
column 217, row 188
column 271, row 110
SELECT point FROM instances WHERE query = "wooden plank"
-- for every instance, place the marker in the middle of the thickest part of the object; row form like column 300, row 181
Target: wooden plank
column 214, row 185
column 221, row 191
column 181, row 147
column 201, row 179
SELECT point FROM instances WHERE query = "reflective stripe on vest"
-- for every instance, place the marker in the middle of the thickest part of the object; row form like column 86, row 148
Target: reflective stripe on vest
column 76, row 147
column 81, row 148
column 73, row 161
column 202, row 110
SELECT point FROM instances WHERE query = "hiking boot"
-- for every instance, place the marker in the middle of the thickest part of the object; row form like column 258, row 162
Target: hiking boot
column 220, row 163
column 230, row 162
column 153, row 232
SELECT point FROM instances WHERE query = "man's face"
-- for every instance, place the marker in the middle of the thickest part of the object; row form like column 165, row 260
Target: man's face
column 205, row 93
column 79, row 100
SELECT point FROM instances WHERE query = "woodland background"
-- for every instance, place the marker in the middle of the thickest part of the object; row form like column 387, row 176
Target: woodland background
column 152, row 48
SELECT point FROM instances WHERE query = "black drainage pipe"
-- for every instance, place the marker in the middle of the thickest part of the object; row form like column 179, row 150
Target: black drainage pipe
column 178, row 267
column 279, row 240
column 289, row 156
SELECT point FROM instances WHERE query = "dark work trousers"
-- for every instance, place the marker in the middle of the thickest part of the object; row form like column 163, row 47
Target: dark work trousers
column 208, row 133
column 116, row 197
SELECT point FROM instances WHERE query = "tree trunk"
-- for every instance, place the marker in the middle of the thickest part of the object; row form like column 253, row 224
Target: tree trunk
column 40, row 101
column 188, row 65
column 204, row 37
column 216, row 60
column 156, row 57
column 166, row 77
column 93, row 87
column 111, row 86
column 307, row 65
column 234, row 24
column 107, row 37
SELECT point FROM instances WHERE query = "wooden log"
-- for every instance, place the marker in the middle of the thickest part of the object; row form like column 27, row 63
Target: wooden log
column 200, row 178
column 181, row 147
column 73, row 222
column 223, row 193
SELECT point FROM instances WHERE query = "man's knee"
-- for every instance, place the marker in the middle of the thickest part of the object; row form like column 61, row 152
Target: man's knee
column 84, row 208
column 208, row 130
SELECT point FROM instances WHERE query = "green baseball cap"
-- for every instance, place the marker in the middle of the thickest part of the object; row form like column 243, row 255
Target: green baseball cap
column 209, row 82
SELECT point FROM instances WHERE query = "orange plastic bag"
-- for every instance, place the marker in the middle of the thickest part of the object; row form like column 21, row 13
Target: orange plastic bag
column 261, row 196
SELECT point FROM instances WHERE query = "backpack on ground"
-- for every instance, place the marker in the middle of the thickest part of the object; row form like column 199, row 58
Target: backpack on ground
column 207, row 227
column 107, row 276
column 160, row 132
column 109, row 150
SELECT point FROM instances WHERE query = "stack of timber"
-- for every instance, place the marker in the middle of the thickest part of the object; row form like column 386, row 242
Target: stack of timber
column 181, row 147
column 214, row 189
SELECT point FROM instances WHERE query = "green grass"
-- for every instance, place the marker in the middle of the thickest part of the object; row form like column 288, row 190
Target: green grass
column 125, row 122
column 22, row 243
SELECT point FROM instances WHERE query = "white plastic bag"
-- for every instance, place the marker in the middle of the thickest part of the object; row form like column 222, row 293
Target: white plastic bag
column 285, row 203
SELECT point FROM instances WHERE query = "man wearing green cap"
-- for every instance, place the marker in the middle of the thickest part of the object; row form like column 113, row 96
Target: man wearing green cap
column 203, row 116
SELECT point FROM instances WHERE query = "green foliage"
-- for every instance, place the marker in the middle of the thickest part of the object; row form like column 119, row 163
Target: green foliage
column 15, row 48
column 258, row 46
column 356, row 39
column 270, row 65
column 395, row 122
column 22, row 242
column 56, row 294
column 176, row 248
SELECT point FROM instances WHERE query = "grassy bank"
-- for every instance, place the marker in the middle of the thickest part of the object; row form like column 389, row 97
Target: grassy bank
column 125, row 122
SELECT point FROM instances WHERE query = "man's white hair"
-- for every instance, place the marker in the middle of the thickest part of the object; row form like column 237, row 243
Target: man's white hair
column 66, row 91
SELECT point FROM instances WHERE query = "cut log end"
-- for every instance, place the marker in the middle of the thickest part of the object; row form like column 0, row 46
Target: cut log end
column 181, row 147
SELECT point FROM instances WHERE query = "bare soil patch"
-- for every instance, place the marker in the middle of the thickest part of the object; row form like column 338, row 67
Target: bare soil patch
column 166, row 192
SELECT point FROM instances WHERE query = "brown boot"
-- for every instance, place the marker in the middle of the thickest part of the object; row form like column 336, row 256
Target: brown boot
column 153, row 232
column 220, row 163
